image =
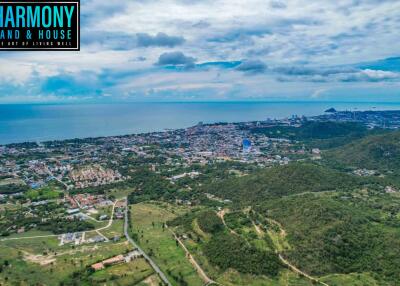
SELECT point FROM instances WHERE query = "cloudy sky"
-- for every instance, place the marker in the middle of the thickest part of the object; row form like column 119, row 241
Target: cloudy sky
column 203, row 50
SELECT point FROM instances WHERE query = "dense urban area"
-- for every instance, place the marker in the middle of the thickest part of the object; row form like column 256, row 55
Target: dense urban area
column 294, row 201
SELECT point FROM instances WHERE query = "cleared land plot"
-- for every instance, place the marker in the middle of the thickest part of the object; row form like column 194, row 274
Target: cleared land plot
column 41, row 260
column 120, row 193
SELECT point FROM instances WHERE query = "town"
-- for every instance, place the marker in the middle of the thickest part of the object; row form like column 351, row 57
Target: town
column 77, row 195
column 92, row 162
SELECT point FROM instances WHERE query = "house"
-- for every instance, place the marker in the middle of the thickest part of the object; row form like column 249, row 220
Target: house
column 132, row 255
column 316, row 151
column 98, row 266
column 114, row 260
column 117, row 260
column 119, row 214
column 97, row 239
column 390, row 190
column 103, row 217
column 192, row 175
column 72, row 211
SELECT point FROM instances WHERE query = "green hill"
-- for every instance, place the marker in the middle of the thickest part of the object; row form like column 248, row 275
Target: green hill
column 282, row 181
column 315, row 130
column 339, row 234
column 330, row 129
column 335, row 223
column 380, row 152
column 321, row 134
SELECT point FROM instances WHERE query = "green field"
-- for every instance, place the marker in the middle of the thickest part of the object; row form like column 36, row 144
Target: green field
column 116, row 229
column 45, row 193
column 119, row 193
column 160, row 244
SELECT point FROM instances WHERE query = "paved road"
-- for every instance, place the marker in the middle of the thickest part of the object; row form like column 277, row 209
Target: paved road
column 151, row 262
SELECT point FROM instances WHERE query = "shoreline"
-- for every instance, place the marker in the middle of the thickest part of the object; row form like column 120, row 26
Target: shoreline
column 43, row 123
column 330, row 116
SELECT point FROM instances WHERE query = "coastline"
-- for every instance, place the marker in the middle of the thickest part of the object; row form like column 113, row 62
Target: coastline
column 47, row 122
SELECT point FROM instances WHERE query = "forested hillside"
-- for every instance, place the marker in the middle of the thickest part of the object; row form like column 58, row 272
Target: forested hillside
column 340, row 234
column 321, row 134
column 281, row 181
column 381, row 152
column 335, row 222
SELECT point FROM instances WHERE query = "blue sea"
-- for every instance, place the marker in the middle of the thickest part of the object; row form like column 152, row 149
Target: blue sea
column 41, row 122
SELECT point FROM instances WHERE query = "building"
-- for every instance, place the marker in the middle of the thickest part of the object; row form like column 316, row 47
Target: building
column 117, row 260
column 73, row 211
column 114, row 260
column 246, row 143
column 132, row 255
column 98, row 266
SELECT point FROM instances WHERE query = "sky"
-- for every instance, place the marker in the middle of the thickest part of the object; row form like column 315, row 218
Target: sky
column 217, row 50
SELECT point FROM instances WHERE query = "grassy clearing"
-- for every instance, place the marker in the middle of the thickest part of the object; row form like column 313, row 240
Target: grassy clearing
column 46, row 193
column 122, row 274
column 120, row 193
column 116, row 229
column 286, row 278
column 152, row 280
column 279, row 241
column 147, row 222
column 353, row 279
column 198, row 230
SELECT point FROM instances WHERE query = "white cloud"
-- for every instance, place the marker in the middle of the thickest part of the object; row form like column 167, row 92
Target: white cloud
column 277, row 33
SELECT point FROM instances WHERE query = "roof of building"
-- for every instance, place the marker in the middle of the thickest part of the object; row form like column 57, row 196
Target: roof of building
column 98, row 266
column 114, row 259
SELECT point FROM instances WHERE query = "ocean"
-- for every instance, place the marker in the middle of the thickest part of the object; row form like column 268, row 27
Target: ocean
column 42, row 122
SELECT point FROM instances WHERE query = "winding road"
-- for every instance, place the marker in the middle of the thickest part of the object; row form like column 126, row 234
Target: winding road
column 284, row 260
column 200, row 271
column 221, row 215
column 298, row 271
